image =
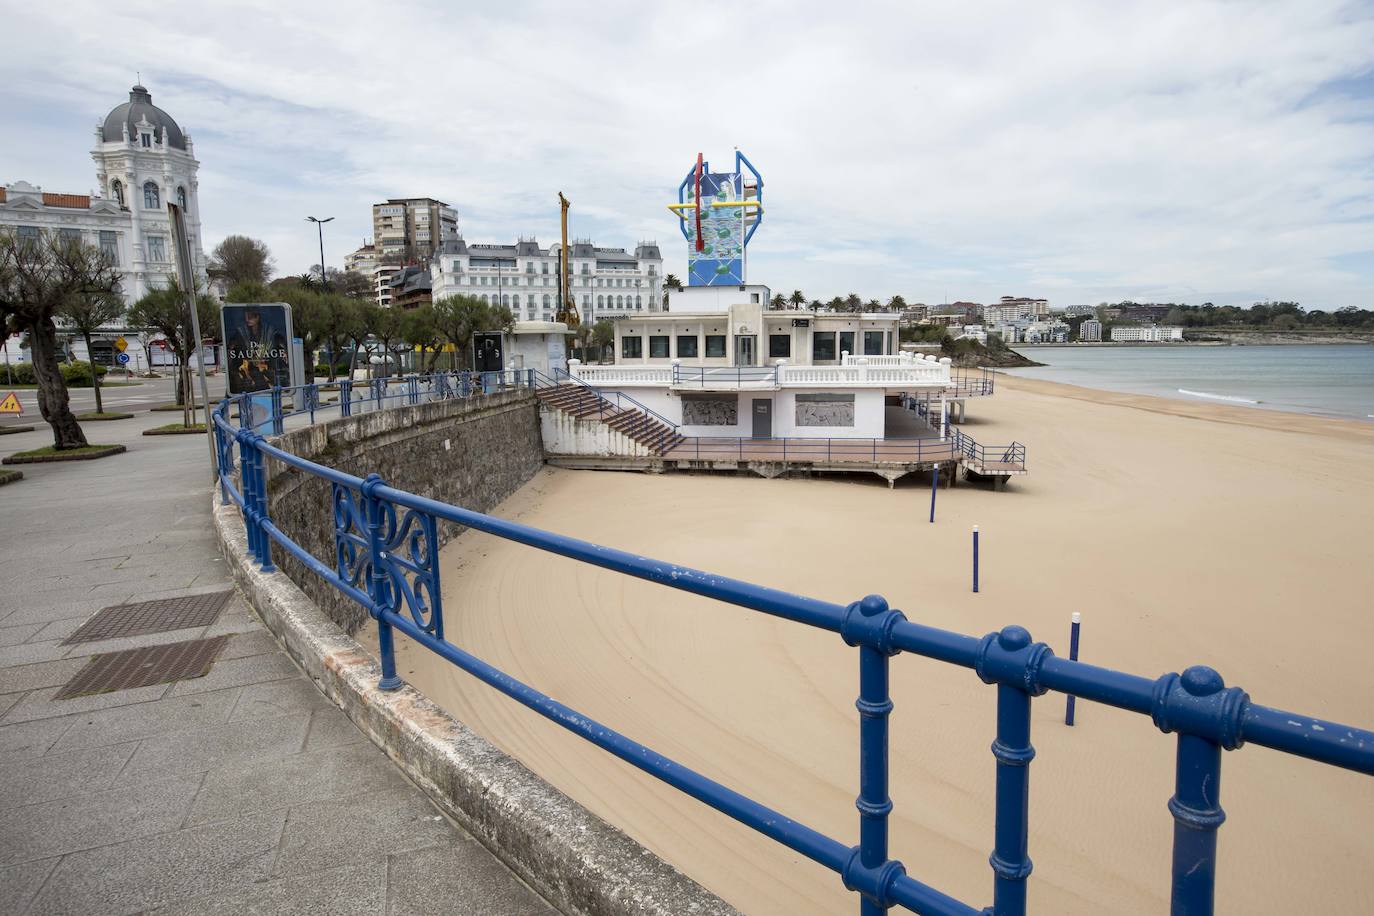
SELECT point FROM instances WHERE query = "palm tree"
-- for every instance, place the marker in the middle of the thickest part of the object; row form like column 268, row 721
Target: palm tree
column 670, row 282
column 897, row 304
column 778, row 302
column 853, row 303
column 798, row 298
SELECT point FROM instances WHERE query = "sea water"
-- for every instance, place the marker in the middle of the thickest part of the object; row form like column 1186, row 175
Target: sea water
column 1331, row 380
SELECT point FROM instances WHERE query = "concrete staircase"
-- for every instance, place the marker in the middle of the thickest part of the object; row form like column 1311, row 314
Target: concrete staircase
column 585, row 404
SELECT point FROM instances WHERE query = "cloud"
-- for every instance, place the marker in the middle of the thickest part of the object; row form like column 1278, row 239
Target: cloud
column 1080, row 150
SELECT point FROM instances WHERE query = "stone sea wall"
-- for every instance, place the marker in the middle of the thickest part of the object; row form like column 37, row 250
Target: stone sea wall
column 471, row 453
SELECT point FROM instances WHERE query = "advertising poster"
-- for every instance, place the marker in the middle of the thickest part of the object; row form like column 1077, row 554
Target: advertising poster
column 257, row 346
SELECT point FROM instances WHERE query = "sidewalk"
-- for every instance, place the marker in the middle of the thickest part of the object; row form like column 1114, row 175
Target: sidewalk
column 242, row 790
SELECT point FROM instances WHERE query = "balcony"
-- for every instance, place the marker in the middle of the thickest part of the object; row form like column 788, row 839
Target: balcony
column 899, row 373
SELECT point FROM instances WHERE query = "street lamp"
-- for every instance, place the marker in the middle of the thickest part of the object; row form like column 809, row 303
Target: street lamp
column 319, row 223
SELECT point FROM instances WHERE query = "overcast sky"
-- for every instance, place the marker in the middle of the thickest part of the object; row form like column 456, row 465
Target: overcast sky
column 1077, row 151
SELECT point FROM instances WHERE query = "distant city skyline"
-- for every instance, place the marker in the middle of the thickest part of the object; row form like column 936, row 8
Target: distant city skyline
column 1189, row 153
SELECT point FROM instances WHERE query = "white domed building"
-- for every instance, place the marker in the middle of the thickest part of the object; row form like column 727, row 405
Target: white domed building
column 143, row 160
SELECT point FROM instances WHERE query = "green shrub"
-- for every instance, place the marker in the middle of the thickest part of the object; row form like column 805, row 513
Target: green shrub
column 78, row 374
column 19, row 374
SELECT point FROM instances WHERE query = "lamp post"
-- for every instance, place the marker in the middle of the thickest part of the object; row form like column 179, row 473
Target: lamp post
column 319, row 224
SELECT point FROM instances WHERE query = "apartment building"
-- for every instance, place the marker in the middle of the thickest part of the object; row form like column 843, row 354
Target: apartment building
column 606, row 282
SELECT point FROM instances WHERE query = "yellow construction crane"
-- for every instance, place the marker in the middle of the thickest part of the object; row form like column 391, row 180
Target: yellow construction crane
column 567, row 302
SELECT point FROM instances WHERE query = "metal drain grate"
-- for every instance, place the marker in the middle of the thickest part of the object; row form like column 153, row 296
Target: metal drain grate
column 144, row 667
column 151, row 617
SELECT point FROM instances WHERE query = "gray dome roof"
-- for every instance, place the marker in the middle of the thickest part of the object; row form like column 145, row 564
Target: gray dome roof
column 140, row 107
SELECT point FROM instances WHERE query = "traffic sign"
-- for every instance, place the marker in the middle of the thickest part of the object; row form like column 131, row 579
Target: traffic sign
column 122, row 358
column 121, row 345
column 11, row 404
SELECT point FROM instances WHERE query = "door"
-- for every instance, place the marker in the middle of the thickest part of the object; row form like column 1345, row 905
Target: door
column 744, row 350
column 763, row 418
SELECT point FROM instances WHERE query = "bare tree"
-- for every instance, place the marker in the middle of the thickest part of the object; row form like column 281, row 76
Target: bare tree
column 39, row 274
column 242, row 260
column 86, row 310
column 165, row 310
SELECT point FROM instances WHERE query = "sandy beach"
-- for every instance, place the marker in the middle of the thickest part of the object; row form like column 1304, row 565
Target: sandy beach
column 1184, row 533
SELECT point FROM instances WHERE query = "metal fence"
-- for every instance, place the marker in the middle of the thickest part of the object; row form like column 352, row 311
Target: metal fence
column 386, row 559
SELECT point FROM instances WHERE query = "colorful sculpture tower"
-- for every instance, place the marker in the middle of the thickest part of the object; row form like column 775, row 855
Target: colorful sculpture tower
column 718, row 213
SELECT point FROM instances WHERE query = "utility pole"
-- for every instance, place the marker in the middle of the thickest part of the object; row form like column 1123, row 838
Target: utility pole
column 319, row 223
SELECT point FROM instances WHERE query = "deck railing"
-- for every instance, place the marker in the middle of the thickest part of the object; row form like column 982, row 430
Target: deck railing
column 908, row 451
column 386, row 559
column 916, row 373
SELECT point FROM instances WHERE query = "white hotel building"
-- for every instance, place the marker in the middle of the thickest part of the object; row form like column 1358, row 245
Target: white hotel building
column 1146, row 334
column 143, row 160
column 606, row 282
column 719, row 362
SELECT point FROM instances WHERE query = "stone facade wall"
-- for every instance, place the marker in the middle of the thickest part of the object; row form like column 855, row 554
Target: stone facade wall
column 471, row 453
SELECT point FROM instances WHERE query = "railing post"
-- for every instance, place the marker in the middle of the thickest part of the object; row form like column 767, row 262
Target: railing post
column 1074, row 623
column 1010, row 862
column 259, row 502
column 868, row 624
column 246, row 485
column 278, row 425
column 1010, row 660
column 346, row 398
column 378, row 582
column 312, row 397
column 1207, row 715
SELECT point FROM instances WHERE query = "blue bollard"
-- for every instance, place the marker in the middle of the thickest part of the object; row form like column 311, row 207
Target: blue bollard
column 1073, row 657
column 975, row 559
column 934, row 485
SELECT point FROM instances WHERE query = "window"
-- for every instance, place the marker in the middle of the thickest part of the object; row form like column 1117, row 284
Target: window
column 117, row 190
column 658, row 346
column 873, row 343
column 715, row 345
column 181, row 199
column 823, row 346
column 547, row 301
column 779, row 346
column 639, row 302
column 545, row 265
column 147, row 140
column 600, row 302
column 151, row 199
column 109, row 246
column 157, row 248
column 847, row 342
column 753, row 297
column 529, row 267
column 687, row 346
column 631, row 347
column 69, row 236
column 27, row 235
column 485, row 299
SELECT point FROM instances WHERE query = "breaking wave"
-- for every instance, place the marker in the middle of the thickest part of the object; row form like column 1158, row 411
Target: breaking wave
column 1217, row 397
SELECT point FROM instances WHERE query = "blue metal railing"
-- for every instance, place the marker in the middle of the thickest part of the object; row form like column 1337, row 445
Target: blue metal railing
column 386, row 560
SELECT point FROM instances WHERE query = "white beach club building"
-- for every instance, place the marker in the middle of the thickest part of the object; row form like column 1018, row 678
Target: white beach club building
column 719, row 362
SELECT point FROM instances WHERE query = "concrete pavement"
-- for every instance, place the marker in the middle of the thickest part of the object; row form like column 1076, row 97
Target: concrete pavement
column 243, row 790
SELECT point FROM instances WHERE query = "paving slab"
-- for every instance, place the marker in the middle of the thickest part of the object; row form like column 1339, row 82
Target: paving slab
column 19, row 883
column 377, row 825
column 242, row 791
column 27, row 782
column 459, row 879
column 351, row 890
column 94, row 819
column 134, row 876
